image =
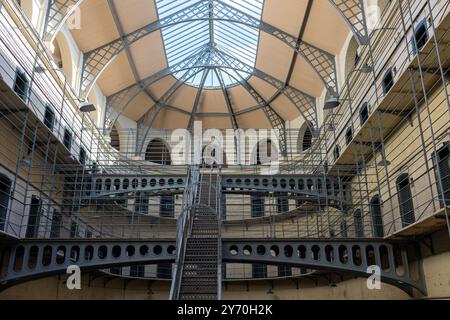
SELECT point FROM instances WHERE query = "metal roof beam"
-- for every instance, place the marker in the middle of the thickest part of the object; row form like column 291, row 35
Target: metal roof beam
column 304, row 103
column 227, row 100
column 95, row 61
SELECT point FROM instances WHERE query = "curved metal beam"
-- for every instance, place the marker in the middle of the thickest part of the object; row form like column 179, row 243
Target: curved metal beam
column 348, row 256
column 233, row 119
column 354, row 15
column 145, row 123
column 34, row 259
column 197, row 99
column 96, row 61
column 89, row 255
column 303, row 102
column 117, row 103
column 58, row 11
column 276, row 121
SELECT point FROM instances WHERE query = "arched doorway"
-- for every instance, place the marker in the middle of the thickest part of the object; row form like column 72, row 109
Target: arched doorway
column 115, row 138
column 158, row 152
column 377, row 217
column 211, row 156
column 265, row 153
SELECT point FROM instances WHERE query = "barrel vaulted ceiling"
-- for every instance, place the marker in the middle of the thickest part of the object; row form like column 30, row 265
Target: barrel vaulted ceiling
column 228, row 63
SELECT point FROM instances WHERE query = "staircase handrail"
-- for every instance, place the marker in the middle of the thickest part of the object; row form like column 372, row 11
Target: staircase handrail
column 184, row 226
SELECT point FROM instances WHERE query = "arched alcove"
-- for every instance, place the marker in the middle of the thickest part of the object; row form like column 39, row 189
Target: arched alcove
column 32, row 10
column 63, row 57
column 352, row 56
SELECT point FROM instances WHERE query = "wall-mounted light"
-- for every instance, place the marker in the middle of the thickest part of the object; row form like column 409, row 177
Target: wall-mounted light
column 332, row 103
column 384, row 163
column 40, row 69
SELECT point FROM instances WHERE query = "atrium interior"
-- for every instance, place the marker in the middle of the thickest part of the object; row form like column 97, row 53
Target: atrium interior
column 224, row 149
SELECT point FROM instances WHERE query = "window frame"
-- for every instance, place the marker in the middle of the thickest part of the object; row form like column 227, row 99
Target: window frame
column 26, row 81
column 68, row 134
column 364, row 113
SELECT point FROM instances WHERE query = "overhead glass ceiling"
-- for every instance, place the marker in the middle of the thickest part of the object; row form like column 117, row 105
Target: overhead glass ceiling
column 183, row 40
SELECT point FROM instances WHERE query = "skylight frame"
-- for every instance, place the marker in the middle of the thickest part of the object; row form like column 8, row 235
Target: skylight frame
column 184, row 39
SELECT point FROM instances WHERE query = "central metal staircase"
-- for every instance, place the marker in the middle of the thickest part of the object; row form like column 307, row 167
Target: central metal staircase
column 198, row 276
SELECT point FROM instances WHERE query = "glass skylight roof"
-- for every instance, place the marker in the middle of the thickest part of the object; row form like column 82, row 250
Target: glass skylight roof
column 183, row 40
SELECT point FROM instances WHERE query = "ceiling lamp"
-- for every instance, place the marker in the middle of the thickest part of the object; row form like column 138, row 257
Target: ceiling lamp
column 86, row 107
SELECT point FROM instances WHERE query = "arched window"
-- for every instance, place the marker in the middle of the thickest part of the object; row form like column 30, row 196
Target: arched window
column 307, row 139
column 349, row 135
column 67, row 140
column 388, row 81
column 352, row 57
column 158, row 152
column 257, row 206
column 336, row 152
column 21, row 84
column 34, row 218
column 442, row 173
column 377, row 217
column 82, row 155
column 49, row 117
column 364, row 113
column 359, row 224
column 420, row 37
column 404, row 195
column 266, row 152
column 115, row 138
column 5, row 194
